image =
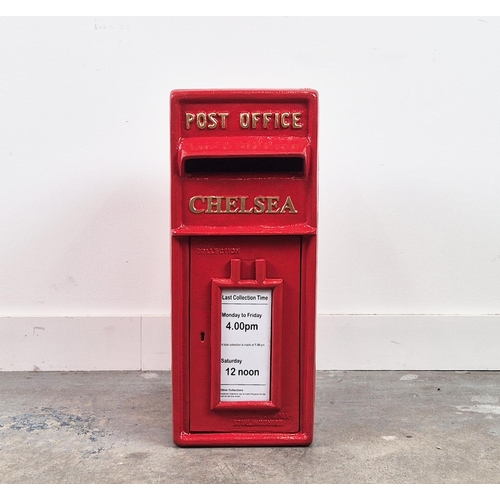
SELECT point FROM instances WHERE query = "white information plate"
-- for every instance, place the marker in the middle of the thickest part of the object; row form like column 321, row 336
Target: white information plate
column 245, row 373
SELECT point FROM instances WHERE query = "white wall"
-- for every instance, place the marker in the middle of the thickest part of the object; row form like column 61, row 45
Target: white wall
column 409, row 178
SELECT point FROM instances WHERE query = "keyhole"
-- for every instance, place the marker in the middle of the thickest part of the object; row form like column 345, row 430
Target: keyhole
column 202, row 336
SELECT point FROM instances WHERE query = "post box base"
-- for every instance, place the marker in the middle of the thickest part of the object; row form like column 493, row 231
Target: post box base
column 186, row 439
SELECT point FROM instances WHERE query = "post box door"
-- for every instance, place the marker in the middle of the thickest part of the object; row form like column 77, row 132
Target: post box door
column 244, row 334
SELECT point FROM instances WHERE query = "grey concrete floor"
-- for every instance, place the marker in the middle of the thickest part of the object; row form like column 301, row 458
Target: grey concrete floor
column 371, row 427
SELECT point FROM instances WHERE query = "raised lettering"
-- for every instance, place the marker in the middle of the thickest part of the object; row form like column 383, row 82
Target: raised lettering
column 240, row 205
column 288, row 206
column 212, row 120
column 272, row 205
column 255, row 119
column 285, row 123
column 244, row 120
column 201, row 120
column 192, row 206
column 296, row 120
column 259, row 204
column 231, row 207
column 214, row 202
column 248, row 120
column 266, row 118
column 223, row 117
column 243, row 206
column 189, row 120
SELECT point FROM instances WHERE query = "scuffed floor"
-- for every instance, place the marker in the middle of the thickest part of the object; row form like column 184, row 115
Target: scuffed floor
column 371, row 427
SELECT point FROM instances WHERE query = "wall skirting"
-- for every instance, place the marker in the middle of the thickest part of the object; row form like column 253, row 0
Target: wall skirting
column 408, row 342
column 86, row 343
column 344, row 342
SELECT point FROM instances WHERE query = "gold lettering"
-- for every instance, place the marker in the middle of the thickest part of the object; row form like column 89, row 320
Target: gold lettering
column 192, row 206
column 223, row 117
column 259, row 205
column 239, row 205
column 272, row 205
column 288, row 206
column 213, row 121
column 244, row 120
column 201, row 120
column 266, row 118
column 231, row 207
column 189, row 120
column 284, row 123
column 243, row 206
column 214, row 202
column 296, row 120
column 253, row 120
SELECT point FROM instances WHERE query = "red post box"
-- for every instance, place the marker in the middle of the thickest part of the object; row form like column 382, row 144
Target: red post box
column 244, row 224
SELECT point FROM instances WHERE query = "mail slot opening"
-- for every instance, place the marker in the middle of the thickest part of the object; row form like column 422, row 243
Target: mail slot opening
column 293, row 165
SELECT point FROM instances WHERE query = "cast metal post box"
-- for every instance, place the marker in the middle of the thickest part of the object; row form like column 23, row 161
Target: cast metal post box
column 244, row 225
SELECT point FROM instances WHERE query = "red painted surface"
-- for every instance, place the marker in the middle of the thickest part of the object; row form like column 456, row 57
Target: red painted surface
column 244, row 215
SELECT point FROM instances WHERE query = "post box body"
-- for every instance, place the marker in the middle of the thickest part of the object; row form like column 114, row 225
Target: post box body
column 244, row 225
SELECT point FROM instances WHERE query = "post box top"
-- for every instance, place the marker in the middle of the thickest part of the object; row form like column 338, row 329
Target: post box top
column 244, row 161
column 243, row 94
column 272, row 113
